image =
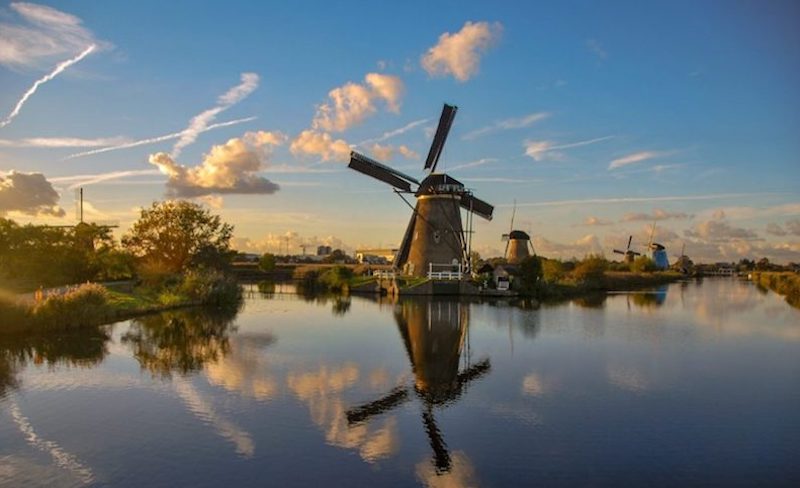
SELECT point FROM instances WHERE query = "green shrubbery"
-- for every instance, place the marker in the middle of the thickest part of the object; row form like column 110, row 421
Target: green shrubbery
column 590, row 271
column 786, row 284
column 643, row 264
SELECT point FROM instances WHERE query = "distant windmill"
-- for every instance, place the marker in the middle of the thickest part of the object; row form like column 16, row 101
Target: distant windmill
column 434, row 334
column 629, row 254
column 85, row 232
column 683, row 263
column 517, row 242
column 658, row 252
column 435, row 235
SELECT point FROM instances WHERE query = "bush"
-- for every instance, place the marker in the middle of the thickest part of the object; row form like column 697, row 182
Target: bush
column 336, row 278
column 590, row 271
column 552, row 270
column 79, row 306
column 530, row 272
column 643, row 264
column 267, row 263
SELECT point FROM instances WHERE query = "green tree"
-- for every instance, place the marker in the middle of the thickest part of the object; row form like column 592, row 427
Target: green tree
column 530, row 272
column 552, row 270
column 590, row 271
column 267, row 262
column 643, row 264
column 173, row 235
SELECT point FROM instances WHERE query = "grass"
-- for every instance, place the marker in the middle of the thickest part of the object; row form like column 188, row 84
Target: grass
column 782, row 283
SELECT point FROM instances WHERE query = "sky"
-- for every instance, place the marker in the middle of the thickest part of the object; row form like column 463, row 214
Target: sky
column 597, row 118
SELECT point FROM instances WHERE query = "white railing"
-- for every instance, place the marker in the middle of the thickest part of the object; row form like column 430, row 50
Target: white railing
column 384, row 274
column 451, row 273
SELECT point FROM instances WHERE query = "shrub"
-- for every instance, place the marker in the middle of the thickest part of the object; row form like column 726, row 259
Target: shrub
column 552, row 270
column 79, row 306
column 643, row 264
column 336, row 278
column 590, row 271
column 267, row 263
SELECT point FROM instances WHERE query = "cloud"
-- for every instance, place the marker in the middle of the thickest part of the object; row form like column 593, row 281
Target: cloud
column 278, row 243
column 775, row 229
column 351, row 103
column 633, row 159
column 76, row 181
column 230, row 168
column 619, row 200
column 588, row 244
column 200, row 122
column 544, row 150
column 657, row 214
column 720, row 230
column 28, row 193
column 595, row 47
column 473, row 164
column 58, row 142
column 56, row 71
column 592, row 221
column 387, row 152
column 793, row 227
column 44, row 36
column 393, row 133
column 459, row 54
column 154, row 140
column 313, row 143
column 507, row 124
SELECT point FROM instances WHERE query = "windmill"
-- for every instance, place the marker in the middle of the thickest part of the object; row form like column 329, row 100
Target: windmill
column 517, row 242
column 629, row 254
column 86, row 233
column 435, row 236
column 683, row 263
column 658, row 252
column 434, row 335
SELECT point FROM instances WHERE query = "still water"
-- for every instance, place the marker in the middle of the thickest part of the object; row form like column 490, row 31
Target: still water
column 695, row 383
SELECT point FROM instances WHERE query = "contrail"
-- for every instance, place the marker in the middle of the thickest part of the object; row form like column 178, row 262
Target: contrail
column 61, row 67
column 200, row 122
column 154, row 140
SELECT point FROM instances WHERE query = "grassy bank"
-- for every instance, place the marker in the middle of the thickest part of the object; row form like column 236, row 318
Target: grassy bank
column 92, row 304
column 608, row 281
column 782, row 283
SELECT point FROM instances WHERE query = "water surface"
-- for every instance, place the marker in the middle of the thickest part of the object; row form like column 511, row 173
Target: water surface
column 694, row 383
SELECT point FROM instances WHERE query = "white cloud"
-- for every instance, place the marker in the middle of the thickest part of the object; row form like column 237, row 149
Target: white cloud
column 200, row 122
column 393, row 133
column 154, row 140
column 775, row 229
column 619, row 200
column 507, row 124
column 720, row 230
column 28, row 193
column 633, row 159
column 41, row 36
column 595, row 47
column 588, row 244
column 351, row 103
column 76, row 181
column 387, row 152
column 592, row 221
column 60, row 67
column 473, row 164
column 59, row 142
column 313, row 143
column 459, row 54
column 230, row 168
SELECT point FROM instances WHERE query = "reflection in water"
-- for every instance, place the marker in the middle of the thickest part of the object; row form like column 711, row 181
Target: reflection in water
column 245, row 368
column 322, row 392
column 61, row 458
column 434, row 334
column 650, row 299
column 180, row 341
column 83, row 348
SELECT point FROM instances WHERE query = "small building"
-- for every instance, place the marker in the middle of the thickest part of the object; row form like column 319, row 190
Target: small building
column 375, row 256
column 324, row 250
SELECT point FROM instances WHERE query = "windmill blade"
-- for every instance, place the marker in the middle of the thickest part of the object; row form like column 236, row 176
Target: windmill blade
column 630, row 238
column 474, row 372
column 635, row 253
column 505, row 237
column 477, row 206
column 379, row 171
column 445, row 121
column 392, row 399
column 513, row 214
column 617, row 251
column 505, row 253
column 441, row 455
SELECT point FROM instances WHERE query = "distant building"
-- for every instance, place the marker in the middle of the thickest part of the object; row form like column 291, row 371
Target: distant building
column 324, row 250
column 375, row 256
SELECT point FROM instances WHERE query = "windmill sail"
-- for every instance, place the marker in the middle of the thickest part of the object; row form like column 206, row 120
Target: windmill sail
column 381, row 172
column 445, row 122
column 477, row 206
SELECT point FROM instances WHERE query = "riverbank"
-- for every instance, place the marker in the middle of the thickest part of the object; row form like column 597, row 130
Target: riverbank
column 609, row 281
column 783, row 283
column 93, row 304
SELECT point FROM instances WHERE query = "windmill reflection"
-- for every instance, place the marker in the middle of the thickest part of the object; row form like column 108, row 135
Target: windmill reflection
column 434, row 334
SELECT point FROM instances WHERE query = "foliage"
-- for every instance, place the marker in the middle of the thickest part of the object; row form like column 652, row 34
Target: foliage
column 530, row 272
column 590, row 271
column 552, row 270
column 336, row 278
column 79, row 306
column 786, row 284
column 337, row 256
column 267, row 263
column 171, row 236
column 643, row 264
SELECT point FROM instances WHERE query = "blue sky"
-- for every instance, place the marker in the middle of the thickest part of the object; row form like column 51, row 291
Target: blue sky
column 597, row 118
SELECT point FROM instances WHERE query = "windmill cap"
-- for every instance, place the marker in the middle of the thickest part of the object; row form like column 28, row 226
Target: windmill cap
column 518, row 234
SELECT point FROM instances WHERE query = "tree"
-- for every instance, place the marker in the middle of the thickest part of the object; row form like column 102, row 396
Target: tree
column 643, row 264
column 267, row 262
column 591, row 270
column 552, row 270
column 530, row 272
column 173, row 235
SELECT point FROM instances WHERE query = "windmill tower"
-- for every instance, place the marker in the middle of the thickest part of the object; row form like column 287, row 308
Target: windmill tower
column 434, row 335
column 658, row 253
column 435, row 239
column 518, row 243
column 629, row 254
column 86, row 233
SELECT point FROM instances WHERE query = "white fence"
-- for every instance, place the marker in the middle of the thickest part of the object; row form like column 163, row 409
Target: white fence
column 446, row 272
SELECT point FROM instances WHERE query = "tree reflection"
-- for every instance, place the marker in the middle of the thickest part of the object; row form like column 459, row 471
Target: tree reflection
column 180, row 341
column 83, row 348
column 650, row 299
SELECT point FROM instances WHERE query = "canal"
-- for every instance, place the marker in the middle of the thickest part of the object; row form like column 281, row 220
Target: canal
column 693, row 383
